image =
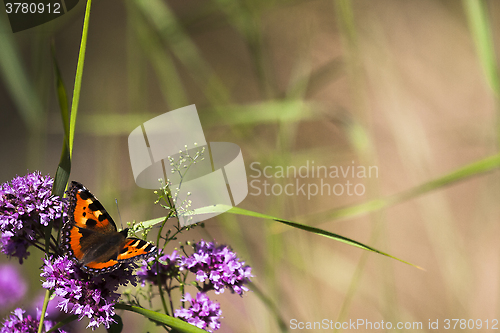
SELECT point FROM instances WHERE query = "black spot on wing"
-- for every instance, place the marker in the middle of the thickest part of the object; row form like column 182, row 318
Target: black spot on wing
column 91, row 222
column 85, row 195
column 139, row 243
column 136, row 243
column 96, row 205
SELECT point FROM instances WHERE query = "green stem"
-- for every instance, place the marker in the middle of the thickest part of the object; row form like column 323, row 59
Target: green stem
column 44, row 309
column 158, row 277
column 63, row 322
column 169, row 289
column 160, row 290
column 172, row 322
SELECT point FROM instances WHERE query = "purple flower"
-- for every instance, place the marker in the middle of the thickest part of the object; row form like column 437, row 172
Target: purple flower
column 26, row 206
column 83, row 294
column 203, row 313
column 54, row 313
column 12, row 285
column 18, row 322
column 167, row 267
column 218, row 268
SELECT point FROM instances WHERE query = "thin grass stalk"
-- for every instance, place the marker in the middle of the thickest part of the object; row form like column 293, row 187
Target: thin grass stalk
column 74, row 108
column 78, row 77
column 360, row 139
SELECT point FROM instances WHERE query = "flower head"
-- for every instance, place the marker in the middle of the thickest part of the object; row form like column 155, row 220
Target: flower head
column 26, row 206
column 53, row 312
column 218, row 268
column 12, row 285
column 202, row 313
column 83, row 294
column 18, row 322
column 166, row 267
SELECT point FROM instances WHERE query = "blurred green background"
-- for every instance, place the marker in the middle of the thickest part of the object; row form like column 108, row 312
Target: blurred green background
column 410, row 87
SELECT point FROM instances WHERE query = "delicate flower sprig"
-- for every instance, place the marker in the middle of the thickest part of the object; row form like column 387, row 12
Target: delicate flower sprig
column 216, row 267
column 169, row 192
column 185, row 160
column 26, row 207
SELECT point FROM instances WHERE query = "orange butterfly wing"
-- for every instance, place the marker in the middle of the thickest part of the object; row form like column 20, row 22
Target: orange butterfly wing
column 90, row 236
column 135, row 248
column 101, row 267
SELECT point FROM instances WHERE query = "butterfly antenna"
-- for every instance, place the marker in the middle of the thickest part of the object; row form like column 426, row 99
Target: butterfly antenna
column 119, row 215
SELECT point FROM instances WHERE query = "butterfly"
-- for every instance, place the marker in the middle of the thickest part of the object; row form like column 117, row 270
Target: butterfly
column 90, row 236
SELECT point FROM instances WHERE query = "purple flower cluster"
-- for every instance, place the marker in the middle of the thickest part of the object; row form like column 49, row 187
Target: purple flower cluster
column 12, row 285
column 217, row 267
column 203, row 313
column 26, row 206
column 83, row 294
column 167, row 267
column 18, row 322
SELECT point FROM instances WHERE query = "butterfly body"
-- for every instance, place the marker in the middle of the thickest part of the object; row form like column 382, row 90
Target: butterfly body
column 90, row 236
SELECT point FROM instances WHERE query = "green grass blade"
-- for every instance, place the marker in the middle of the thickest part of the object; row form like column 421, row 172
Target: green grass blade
column 78, row 78
column 172, row 322
column 167, row 24
column 266, row 112
column 64, row 168
column 477, row 16
column 150, row 223
column 271, row 306
column 62, row 323
column 318, row 231
column 169, row 79
column 18, row 83
column 318, row 79
column 271, row 111
column 62, row 95
column 474, row 169
column 479, row 24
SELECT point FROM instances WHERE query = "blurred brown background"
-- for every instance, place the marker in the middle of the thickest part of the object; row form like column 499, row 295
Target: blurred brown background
column 392, row 84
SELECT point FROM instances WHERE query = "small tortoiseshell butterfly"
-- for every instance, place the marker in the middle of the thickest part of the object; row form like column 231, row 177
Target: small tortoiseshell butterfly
column 91, row 238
